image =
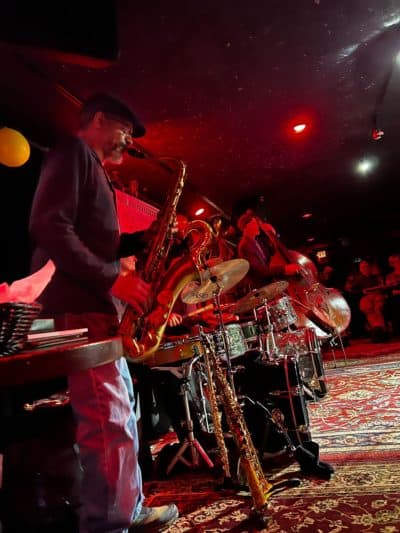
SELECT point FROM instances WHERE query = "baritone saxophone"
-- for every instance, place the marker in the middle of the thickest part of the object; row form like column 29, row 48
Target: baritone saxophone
column 259, row 486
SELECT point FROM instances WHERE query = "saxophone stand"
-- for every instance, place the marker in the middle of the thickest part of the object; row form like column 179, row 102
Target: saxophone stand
column 196, row 449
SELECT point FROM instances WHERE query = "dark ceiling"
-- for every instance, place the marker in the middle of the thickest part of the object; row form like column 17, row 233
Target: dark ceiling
column 219, row 82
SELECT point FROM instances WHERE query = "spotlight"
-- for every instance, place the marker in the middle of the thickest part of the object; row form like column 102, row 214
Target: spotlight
column 366, row 165
column 199, row 211
column 299, row 128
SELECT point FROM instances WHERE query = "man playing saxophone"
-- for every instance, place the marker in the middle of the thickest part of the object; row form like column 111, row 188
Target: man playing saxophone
column 74, row 223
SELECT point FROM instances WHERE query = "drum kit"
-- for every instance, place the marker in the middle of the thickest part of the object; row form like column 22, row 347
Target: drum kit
column 265, row 357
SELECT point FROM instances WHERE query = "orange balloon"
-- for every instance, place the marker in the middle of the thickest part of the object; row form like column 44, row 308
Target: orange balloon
column 14, row 148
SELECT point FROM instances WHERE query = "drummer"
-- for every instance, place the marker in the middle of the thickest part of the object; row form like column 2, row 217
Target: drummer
column 256, row 244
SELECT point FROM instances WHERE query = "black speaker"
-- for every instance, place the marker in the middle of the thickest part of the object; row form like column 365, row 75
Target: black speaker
column 81, row 32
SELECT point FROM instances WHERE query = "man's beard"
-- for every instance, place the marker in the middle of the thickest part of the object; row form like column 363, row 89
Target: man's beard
column 116, row 153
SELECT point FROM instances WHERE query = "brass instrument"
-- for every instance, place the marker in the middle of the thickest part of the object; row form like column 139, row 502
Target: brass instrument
column 259, row 487
column 141, row 339
column 163, row 238
column 216, row 418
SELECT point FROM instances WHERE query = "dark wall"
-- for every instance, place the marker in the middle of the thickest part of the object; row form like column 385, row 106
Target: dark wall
column 17, row 188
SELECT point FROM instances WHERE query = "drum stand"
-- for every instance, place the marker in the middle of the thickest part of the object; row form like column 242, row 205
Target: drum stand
column 268, row 345
column 196, row 450
column 334, row 339
column 221, row 326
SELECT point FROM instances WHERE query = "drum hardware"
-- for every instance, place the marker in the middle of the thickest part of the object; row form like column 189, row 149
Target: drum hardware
column 196, row 450
column 223, row 333
column 268, row 341
column 306, row 454
column 304, row 345
column 215, row 281
column 333, row 341
column 202, row 401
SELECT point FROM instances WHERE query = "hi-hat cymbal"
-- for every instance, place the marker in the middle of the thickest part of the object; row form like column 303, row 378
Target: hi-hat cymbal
column 257, row 297
column 218, row 279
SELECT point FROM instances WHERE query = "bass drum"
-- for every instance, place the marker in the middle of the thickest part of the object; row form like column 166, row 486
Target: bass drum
column 266, row 385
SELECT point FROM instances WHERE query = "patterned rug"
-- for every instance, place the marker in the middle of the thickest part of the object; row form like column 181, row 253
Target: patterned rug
column 360, row 416
column 357, row 427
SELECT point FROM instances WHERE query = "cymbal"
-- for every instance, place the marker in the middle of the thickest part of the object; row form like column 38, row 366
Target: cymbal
column 220, row 277
column 257, row 297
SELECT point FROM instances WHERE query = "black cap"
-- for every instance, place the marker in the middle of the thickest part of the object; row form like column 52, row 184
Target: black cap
column 116, row 108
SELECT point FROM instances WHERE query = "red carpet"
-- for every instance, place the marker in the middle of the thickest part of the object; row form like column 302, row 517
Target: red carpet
column 357, row 427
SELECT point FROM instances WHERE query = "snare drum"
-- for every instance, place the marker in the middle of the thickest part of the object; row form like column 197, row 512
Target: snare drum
column 176, row 351
column 282, row 314
column 237, row 344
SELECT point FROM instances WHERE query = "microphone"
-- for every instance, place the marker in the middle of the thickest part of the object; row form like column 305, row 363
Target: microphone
column 135, row 152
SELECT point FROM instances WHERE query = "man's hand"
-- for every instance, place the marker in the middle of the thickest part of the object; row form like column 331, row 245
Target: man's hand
column 128, row 265
column 174, row 319
column 134, row 291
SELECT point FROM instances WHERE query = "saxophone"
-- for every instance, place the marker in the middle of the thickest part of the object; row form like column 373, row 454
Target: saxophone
column 163, row 238
column 216, row 418
column 141, row 338
column 259, row 487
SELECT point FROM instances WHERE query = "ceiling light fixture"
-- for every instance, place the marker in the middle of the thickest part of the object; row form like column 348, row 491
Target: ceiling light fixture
column 366, row 165
column 299, row 128
column 199, row 211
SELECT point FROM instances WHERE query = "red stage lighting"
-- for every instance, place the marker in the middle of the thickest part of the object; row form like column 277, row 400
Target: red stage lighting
column 299, row 128
column 199, row 211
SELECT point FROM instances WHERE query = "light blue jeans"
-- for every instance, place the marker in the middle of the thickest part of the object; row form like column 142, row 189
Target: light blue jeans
column 103, row 403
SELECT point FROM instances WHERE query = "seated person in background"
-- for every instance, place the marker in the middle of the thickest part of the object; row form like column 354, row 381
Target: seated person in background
column 392, row 305
column 371, row 302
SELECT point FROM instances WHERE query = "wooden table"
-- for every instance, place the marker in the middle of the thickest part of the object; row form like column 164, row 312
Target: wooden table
column 49, row 363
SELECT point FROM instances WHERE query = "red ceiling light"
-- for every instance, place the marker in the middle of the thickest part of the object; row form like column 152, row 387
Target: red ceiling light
column 199, row 212
column 299, row 128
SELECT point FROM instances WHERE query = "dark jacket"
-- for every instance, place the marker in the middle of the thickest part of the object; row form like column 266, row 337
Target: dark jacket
column 74, row 222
